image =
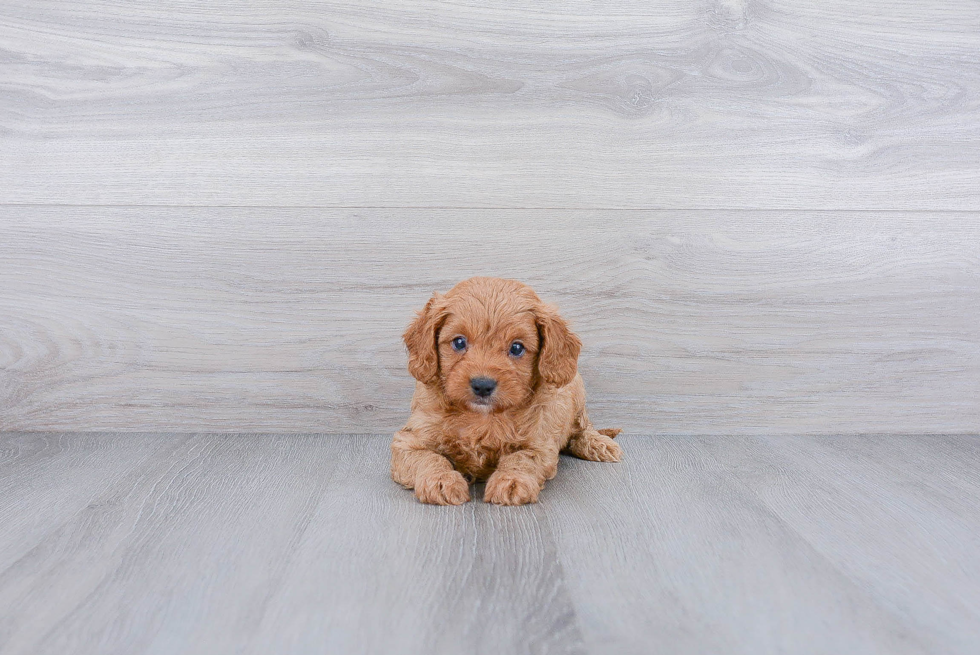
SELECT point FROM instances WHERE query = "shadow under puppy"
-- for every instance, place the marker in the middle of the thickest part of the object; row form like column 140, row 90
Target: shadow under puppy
column 498, row 397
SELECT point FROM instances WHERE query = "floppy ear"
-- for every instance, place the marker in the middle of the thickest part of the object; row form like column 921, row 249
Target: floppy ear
column 420, row 338
column 559, row 350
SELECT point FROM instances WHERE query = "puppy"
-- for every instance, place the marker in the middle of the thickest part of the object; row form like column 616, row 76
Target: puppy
column 497, row 397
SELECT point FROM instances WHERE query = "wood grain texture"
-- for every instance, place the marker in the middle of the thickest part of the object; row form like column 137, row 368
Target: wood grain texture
column 301, row 544
column 775, row 104
column 895, row 514
column 46, row 478
column 774, row 545
column 290, row 319
column 378, row 572
column 280, row 544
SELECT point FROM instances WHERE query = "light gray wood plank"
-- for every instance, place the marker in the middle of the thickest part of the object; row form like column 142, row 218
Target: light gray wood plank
column 703, row 545
column 378, row 572
column 897, row 514
column 290, row 319
column 256, row 543
column 850, row 104
column 46, row 480
column 88, row 559
column 285, row 544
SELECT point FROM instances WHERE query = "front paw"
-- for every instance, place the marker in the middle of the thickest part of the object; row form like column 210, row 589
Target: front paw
column 511, row 489
column 443, row 488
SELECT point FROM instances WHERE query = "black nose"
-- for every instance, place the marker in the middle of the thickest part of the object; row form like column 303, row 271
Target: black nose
column 483, row 387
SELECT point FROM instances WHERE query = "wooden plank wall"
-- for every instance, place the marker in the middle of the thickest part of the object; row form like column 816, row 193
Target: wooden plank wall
column 762, row 217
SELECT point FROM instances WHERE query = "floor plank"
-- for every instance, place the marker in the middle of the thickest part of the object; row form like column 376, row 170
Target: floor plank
column 48, row 479
column 868, row 104
column 699, row 545
column 254, row 543
column 291, row 319
column 900, row 523
column 285, row 544
column 377, row 572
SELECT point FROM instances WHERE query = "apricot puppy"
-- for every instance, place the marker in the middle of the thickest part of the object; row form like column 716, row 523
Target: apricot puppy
column 497, row 397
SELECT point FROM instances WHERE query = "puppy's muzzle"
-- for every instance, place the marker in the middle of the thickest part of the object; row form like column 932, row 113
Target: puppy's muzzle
column 483, row 387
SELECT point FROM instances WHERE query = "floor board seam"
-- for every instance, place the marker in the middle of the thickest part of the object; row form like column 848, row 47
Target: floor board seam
column 800, row 210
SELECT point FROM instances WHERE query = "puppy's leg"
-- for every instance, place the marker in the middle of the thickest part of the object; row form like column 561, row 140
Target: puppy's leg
column 520, row 476
column 591, row 444
column 594, row 446
column 431, row 475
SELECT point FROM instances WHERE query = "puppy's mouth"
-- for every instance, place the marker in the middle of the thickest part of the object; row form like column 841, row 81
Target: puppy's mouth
column 484, row 405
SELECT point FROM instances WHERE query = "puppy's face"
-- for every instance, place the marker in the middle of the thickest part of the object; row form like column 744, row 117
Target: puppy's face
column 487, row 356
column 490, row 343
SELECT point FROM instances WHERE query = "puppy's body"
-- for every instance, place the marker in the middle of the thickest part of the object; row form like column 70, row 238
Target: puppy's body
column 487, row 331
column 475, row 441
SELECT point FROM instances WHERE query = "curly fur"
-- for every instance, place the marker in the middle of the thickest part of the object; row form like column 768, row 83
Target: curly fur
column 513, row 439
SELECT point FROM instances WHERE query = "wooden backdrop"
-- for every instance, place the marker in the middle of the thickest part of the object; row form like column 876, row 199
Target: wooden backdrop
column 761, row 217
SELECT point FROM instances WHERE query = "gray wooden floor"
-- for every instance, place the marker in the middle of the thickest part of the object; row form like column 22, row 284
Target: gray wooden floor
column 248, row 543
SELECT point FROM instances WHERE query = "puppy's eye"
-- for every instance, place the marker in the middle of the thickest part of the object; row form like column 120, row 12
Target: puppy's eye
column 517, row 349
column 459, row 344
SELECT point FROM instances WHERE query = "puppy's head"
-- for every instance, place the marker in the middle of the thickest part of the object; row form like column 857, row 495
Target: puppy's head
column 490, row 343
